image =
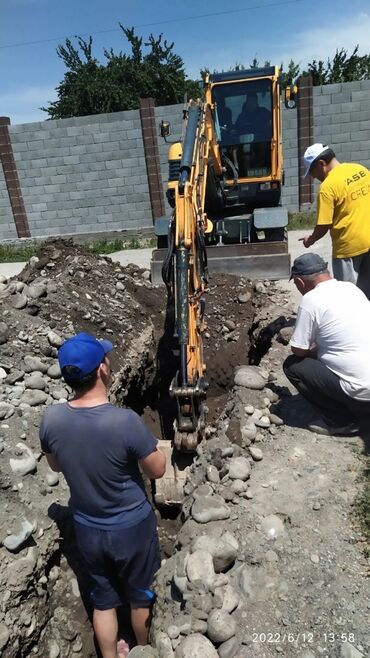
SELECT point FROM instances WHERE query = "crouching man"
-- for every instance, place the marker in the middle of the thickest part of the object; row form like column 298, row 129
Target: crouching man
column 99, row 448
column 330, row 364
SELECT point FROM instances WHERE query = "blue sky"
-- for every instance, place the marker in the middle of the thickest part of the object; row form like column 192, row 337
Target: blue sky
column 266, row 29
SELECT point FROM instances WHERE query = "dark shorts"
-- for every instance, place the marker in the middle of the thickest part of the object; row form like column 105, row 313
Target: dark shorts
column 121, row 563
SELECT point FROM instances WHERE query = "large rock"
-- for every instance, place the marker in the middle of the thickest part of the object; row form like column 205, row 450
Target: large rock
column 229, row 649
column 34, row 363
column 239, row 468
column 54, row 371
column 26, row 464
column 223, row 549
column 196, row 646
column 272, row 526
column 200, row 568
column 142, row 652
column 209, row 508
column 220, row 626
column 4, row 333
column 54, row 339
column 36, row 290
column 19, row 301
column 249, row 377
column 6, row 410
column 17, row 539
column 35, row 382
column 4, row 635
column 34, row 398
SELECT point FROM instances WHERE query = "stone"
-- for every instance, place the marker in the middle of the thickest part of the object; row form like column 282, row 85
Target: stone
column 16, row 540
column 213, row 474
column 263, row 422
column 163, row 645
column 34, row 363
column 239, row 468
column 142, row 652
column 315, row 558
column 272, row 526
column 275, row 420
column 271, row 395
column 60, row 394
column 196, row 646
column 347, row 650
column 221, row 626
column 14, row 376
column 244, row 297
column 4, row 635
column 35, row 382
column 54, row 649
column 249, row 409
column 238, row 486
column 4, row 333
column 19, row 301
column 209, row 508
column 230, row 325
column 34, row 398
column 285, row 335
column 27, row 464
column 200, row 568
column 248, row 432
column 54, row 371
column 231, row 599
column 35, row 291
column 223, row 549
column 6, row 410
column 54, row 339
column 256, row 453
column 248, row 377
column 52, row 478
column 229, row 648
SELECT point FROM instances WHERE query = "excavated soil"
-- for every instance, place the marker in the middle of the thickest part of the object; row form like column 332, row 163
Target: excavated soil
column 268, row 504
column 67, row 290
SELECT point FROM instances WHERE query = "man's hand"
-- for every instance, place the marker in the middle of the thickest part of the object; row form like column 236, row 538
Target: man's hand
column 307, row 241
column 317, row 234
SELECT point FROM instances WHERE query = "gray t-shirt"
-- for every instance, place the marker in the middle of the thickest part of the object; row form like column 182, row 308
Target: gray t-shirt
column 97, row 449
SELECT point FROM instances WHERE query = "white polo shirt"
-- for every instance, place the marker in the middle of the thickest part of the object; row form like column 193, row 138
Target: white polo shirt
column 335, row 317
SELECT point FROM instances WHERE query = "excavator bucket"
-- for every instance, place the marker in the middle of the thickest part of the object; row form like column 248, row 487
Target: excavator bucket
column 169, row 490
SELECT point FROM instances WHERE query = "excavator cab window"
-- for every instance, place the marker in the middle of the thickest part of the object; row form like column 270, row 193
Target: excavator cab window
column 244, row 113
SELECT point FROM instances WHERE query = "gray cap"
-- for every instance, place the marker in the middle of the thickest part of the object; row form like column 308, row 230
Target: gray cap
column 308, row 264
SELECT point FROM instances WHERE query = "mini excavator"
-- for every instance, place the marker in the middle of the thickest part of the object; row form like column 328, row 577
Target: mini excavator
column 225, row 180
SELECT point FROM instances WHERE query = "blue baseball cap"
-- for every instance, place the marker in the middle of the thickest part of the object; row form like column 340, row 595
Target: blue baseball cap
column 84, row 353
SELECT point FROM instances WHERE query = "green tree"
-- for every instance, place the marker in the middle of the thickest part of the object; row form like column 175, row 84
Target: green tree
column 342, row 68
column 89, row 87
column 289, row 76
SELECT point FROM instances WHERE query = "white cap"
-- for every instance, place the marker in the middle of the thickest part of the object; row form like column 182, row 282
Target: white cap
column 311, row 154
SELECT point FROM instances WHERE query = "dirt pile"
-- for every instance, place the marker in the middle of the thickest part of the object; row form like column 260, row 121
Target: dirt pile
column 268, row 560
column 65, row 291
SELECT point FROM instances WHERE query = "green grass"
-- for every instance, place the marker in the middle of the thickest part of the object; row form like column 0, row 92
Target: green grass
column 108, row 247
column 20, row 253
column 301, row 220
column 14, row 253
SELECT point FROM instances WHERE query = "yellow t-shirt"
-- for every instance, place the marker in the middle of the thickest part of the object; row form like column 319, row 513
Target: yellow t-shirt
column 344, row 203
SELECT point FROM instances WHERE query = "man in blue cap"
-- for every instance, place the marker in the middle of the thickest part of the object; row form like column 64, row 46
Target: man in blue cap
column 99, row 448
column 330, row 364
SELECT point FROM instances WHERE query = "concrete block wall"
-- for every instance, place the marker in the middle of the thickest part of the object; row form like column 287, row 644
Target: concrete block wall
column 7, row 225
column 89, row 175
column 342, row 119
column 290, row 154
column 83, row 175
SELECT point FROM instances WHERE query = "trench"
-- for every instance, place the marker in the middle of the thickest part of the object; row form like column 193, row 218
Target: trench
column 148, row 395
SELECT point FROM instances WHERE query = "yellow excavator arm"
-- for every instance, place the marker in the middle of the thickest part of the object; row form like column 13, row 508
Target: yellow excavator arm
column 185, row 269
